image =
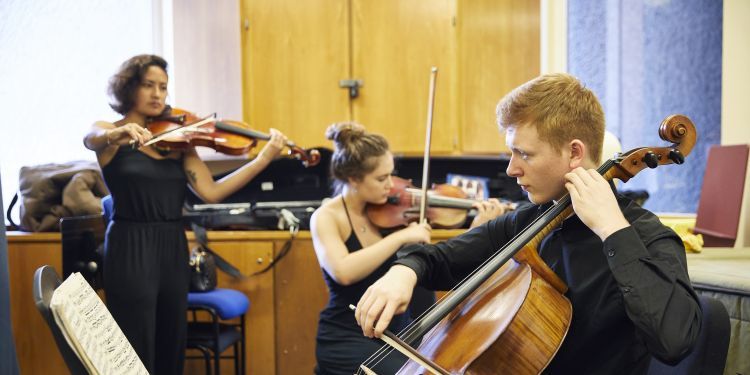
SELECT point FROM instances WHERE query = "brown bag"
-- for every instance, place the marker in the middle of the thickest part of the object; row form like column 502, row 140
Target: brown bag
column 49, row 192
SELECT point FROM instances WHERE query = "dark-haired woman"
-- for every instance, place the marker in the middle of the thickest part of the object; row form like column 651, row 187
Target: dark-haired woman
column 351, row 250
column 146, row 257
column 353, row 253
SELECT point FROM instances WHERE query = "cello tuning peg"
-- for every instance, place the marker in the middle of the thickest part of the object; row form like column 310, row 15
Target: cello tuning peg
column 676, row 156
column 651, row 160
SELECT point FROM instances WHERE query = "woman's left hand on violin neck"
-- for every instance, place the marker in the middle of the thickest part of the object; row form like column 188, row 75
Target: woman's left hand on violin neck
column 488, row 210
column 274, row 145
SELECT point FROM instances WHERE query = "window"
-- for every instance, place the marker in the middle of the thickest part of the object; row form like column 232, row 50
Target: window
column 648, row 59
column 56, row 62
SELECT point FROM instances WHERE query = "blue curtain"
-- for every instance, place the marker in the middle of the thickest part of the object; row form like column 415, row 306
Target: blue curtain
column 647, row 59
column 8, row 362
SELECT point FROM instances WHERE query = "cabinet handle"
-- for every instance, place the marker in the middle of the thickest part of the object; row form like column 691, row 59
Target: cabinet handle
column 353, row 85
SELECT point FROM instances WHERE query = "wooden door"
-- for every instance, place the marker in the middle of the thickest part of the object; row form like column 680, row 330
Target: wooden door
column 294, row 54
column 498, row 49
column 394, row 45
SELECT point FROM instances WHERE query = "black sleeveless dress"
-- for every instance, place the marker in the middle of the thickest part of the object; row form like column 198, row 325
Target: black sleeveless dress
column 146, row 257
column 341, row 346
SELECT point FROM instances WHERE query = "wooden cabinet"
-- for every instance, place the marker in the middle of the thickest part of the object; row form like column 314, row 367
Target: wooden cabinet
column 498, row 49
column 281, row 323
column 395, row 45
column 296, row 53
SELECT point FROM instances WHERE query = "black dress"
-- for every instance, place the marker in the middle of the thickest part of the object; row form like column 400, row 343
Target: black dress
column 341, row 346
column 146, row 257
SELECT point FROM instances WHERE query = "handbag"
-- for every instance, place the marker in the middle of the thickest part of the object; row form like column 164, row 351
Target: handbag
column 204, row 261
column 202, row 270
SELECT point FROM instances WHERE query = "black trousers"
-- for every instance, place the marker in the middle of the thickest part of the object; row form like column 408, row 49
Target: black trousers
column 146, row 286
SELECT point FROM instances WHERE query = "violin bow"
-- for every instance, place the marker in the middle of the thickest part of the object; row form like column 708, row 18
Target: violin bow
column 179, row 130
column 428, row 136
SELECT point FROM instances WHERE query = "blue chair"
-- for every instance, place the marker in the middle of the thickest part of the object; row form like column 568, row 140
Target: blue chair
column 212, row 337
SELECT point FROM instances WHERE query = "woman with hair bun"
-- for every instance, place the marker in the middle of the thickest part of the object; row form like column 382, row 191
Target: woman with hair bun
column 351, row 250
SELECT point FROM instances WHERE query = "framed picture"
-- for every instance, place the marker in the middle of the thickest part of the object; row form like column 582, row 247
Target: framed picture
column 475, row 187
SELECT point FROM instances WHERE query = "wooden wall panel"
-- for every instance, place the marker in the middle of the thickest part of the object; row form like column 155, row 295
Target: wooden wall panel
column 498, row 49
column 394, row 45
column 294, row 54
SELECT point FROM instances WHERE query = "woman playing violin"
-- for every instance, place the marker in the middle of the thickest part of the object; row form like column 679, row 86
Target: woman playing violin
column 352, row 251
column 146, row 257
column 625, row 271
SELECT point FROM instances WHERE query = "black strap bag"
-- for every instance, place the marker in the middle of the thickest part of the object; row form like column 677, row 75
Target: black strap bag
column 202, row 270
column 204, row 261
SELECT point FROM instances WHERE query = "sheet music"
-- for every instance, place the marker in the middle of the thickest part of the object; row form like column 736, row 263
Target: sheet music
column 91, row 331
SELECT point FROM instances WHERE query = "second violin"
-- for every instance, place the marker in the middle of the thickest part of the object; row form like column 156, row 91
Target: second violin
column 447, row 206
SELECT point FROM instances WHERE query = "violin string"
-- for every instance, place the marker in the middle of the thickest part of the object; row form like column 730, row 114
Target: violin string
column 562, row 203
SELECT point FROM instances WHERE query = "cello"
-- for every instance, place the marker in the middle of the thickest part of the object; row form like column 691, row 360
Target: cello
column 510, row 314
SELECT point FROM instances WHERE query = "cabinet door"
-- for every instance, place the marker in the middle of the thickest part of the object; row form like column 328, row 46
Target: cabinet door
column 294, row 54
column 394, row 45
column 498, row 49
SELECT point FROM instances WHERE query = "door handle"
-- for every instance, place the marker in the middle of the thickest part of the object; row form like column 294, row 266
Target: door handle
column 353, row 85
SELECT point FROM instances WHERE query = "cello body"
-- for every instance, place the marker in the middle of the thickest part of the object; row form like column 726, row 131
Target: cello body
column 513, row 324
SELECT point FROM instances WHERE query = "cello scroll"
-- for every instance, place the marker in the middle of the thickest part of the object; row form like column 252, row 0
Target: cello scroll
column 677, row 129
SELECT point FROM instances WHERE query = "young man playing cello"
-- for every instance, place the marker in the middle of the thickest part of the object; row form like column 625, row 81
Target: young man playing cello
column 626, row 272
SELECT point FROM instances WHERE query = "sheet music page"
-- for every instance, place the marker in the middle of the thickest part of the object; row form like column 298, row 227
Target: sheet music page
column 91, row 330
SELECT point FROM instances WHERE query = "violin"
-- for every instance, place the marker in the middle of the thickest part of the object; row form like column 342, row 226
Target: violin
column 447, row 206
column 177, row 129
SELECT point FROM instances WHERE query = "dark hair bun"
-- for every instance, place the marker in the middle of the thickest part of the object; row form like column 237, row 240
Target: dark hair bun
column 343, row 133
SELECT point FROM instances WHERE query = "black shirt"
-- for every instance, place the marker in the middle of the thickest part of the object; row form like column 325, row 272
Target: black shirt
column 631, row 294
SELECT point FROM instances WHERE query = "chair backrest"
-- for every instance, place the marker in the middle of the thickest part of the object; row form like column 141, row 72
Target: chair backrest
column 107, row 208
column 83, row 247
column 720, row 205
column 46, row 281
column 709, row 354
